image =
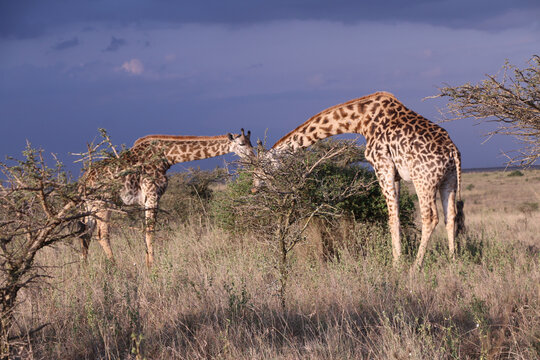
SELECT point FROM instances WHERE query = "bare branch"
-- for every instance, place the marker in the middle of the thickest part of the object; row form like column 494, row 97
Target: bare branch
column 511, row 99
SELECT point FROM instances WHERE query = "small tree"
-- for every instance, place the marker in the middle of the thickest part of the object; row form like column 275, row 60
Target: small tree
column 512, row 100
column 295, row 192
column 325, row 182
column 37, row 206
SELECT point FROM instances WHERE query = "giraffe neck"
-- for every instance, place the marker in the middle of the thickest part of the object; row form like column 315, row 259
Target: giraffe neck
column 177, row 149
column 355, row 116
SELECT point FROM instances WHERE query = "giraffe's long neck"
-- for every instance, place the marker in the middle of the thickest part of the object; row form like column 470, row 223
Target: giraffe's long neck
column 355, row 116
column 177, row 149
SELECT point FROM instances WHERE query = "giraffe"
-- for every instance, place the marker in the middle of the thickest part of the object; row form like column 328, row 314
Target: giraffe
column 400, row 144
column 139, row 177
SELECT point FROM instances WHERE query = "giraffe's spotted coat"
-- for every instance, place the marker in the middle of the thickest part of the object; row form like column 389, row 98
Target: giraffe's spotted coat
column 141, row 172
column 400, row 144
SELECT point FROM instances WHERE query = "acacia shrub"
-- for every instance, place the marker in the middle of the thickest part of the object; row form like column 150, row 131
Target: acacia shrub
column 327, row 181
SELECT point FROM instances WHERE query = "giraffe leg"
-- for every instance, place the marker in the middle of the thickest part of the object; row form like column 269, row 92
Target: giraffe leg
column 150, row 222
column 397, row 186
column 390, row 189
column 428, row 210
column 103, row 218
column 87, row 227
column 448, row 198
column 152, row 188
column 85, row 238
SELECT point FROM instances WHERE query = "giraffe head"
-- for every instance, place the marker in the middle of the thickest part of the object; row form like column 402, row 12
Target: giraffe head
column 267, row 158
column 240, row 144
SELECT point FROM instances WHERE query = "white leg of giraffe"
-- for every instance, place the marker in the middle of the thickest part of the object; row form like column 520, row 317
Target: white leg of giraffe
column 98, row 220
column 390, row 190
column 428, row 210
column 150, row 220
column 152, row 188
column 150, row 215
column 448, row 197
column 103, row 218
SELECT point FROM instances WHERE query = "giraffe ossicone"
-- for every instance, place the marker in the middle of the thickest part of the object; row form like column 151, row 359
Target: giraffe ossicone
column 140, row 178
column 400, row 144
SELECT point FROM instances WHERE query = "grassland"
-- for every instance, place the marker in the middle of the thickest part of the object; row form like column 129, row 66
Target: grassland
column 213, row 295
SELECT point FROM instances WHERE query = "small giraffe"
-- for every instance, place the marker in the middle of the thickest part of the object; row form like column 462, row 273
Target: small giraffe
column 400, row 144
column 140, row 176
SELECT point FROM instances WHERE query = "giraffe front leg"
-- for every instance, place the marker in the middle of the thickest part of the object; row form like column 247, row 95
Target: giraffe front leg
column 103, row 218
column 89, row 227
column 393, row 222
column 85, row 229
column 152, row 188
column 150, row 222
column 85, row 244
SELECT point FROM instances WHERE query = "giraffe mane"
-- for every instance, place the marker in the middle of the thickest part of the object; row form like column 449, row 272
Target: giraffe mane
column 363, row 98
column 177, row 138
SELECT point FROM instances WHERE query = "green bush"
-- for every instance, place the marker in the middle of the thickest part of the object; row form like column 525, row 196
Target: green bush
column 326, row 182
column 224, row 206
column 364, row 206
column 189, row 193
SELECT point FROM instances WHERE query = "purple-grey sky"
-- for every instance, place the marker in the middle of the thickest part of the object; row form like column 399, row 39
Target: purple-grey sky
column 208, row 67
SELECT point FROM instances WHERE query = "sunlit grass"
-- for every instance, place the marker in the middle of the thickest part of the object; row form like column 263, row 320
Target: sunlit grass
column 213, row 295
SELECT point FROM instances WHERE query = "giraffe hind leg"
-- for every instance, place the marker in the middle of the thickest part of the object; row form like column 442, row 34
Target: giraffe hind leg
column 448, row 198
column 428, row 210
column 390, row 189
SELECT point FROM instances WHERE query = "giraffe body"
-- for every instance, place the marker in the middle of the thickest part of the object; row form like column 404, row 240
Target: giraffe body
column 140, row 176
column 400, row 144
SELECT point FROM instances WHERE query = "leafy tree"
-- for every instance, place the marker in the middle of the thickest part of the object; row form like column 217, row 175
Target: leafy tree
column 511, row 99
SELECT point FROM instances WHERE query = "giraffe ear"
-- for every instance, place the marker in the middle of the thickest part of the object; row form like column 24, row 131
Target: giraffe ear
column 231, row 137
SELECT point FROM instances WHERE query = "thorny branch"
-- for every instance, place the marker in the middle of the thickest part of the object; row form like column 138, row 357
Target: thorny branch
column 38, row 207
column 511, row 99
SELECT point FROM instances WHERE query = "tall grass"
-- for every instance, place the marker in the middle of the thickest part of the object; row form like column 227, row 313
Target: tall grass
column 213, row 295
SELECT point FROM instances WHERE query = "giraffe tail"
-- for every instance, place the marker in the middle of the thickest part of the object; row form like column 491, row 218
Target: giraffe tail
column 460, row 215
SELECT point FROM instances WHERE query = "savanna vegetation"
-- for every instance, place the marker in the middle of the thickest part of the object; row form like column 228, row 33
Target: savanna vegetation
column 216, row 289
column 300, row 269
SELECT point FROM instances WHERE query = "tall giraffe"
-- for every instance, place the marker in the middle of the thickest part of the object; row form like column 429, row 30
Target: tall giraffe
column 400, row 144
column 139, row 174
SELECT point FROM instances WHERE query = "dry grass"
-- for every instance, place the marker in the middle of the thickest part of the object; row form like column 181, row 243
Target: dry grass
column 213, row 295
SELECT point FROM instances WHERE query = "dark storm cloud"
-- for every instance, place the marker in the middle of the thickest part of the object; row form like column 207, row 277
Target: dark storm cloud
column 115, row 44
column 63, row 45
column 32, row 17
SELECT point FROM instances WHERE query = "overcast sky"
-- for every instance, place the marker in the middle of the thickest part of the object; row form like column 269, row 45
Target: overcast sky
column 209, row 67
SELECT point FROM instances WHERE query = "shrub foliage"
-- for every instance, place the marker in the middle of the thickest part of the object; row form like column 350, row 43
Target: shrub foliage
column 342, row 184
column 324, row 182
